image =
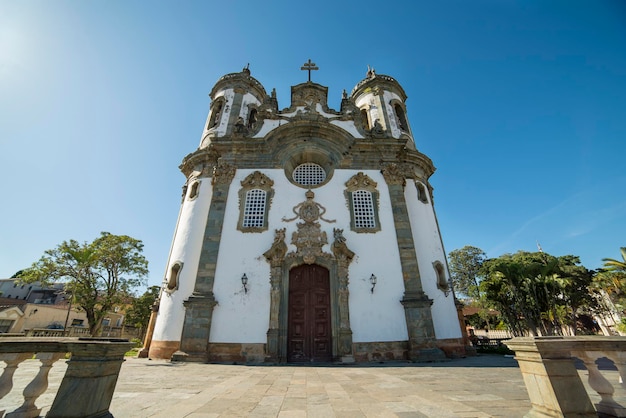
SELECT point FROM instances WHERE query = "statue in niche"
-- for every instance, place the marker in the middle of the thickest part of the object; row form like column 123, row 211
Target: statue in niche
column 340, row 249
column 240, row 126
column 279, row 248
column 377, row 129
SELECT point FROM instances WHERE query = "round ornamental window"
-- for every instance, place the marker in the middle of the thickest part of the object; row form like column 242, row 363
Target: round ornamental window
column 309, row 174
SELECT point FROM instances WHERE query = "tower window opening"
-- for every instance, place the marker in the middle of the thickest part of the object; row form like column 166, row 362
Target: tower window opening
column 215, row 115
column 252, row 118
column 402, row 124
column 254, row 209
column 309, row 174
column 366, row 122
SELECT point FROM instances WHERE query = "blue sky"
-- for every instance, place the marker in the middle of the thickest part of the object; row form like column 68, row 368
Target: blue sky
column 520, row 104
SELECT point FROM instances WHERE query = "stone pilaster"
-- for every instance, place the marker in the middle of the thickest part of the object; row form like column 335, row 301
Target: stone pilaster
column 150, row 330
column 199, row 307
column 344, row 256
column 275, row 256
column 416, row 303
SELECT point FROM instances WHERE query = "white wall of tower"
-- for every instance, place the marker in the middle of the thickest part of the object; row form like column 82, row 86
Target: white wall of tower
column 186, row 248
column 429, row 248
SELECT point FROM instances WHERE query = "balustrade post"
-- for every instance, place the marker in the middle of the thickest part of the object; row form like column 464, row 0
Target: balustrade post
column 619, row 359
column 12, row 360
column 36, row 387
column 93, row 369
column 600, row 384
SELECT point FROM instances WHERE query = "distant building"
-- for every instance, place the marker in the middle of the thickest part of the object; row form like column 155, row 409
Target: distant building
column 307, row 234
column 19, row 316
column 32, row 292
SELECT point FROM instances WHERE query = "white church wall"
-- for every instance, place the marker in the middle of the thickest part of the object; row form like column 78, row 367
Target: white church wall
column 244, row 317
column 347, row 125
column 429, row 249
column 377, row 316
column 186, row 248
column 268, row 126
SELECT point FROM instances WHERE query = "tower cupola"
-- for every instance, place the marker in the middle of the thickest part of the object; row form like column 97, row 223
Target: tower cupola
column 235, row 100
column 381, row 102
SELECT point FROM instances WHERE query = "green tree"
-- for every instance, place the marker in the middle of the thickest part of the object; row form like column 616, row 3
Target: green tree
column 465, row 265
column 138, row 315
column 537, row 292
column 99, row 275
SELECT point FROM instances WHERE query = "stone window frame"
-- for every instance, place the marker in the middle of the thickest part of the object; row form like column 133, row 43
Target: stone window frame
column 442, row 281
column 255, row 181
column 422, row 194
column 362, row 182
column 194, row 189
column 401, row 121
column 172, row 279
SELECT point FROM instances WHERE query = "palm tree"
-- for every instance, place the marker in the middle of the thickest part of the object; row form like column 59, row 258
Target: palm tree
column 611, row 264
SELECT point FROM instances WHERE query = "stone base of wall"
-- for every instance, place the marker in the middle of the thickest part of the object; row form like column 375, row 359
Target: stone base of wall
column 454, row 347
column 163, row 349
column 239, row 353
column 380, row 351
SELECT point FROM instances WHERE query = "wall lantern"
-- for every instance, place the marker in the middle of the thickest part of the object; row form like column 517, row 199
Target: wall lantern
column 373, row 282
column 244, row 282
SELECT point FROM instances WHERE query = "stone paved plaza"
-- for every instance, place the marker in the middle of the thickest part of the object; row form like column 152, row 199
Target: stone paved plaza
column 483, row 386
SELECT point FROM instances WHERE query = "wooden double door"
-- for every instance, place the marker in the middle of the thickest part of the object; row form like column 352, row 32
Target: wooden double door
column 309, row 335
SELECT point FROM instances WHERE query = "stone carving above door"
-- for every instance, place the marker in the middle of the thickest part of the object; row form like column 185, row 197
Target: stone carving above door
column 309, row 238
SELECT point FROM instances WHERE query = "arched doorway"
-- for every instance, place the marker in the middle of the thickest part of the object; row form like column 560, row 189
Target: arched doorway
column 309, row 317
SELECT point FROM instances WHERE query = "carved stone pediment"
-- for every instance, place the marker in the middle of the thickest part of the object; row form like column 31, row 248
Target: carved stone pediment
column 361, row 181
column 309, row 94
column 257, row 180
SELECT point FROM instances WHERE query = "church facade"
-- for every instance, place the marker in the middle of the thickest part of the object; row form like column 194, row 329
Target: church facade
column 306, row 234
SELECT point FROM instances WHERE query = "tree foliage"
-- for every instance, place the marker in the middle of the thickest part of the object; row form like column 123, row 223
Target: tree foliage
column 98, row 275
column 465, row 265
column 537, row 292
column 611, row 264
column 612, row 280
column 138, row 315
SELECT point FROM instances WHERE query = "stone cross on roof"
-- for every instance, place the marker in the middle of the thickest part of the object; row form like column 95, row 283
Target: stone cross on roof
column 309, row 66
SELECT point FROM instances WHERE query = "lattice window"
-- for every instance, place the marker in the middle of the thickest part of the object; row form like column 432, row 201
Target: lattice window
column 363, row 207
column 254, row 208
column 362, row 198
column 309, row 174
column 255, row 199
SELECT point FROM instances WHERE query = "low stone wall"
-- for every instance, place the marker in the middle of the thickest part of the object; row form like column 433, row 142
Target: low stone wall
column 239, row 353
column 553, row 383
column 454, row 348
column 89, row 382
column 380, row 351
